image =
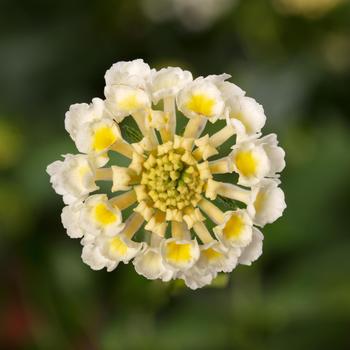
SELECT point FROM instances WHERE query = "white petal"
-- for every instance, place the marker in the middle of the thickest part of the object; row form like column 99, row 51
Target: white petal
column 236, row 230
column 267, row 204
column 81, row 113
column 98, row 136
column 230, row 90
column 250, row 161
column 201, row 98
column 217, row 258
column 71, row 220
column 100, row 217
column 119, row 247
column 253, row 251
column 92, row 256
column 124, row 100
column 150, row 265
column 248, row 112
column 196, row 278
column 168, row 82
column 132, row 73
column 74, row 178
column 275, row 153
column 179, row 255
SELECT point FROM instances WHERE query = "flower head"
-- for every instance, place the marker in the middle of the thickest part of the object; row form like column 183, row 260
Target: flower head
column 172, row 179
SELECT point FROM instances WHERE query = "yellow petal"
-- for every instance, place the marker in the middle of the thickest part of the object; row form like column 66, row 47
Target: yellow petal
column 104, row 137
column 246, row 163
column 233, row 226
column 201, row 104
column 103, row 215
column 178, row 253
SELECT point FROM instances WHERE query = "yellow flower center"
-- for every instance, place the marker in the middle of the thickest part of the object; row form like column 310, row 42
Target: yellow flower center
column 103, row 215
column 233, row 227
column 201, row 104
column 130, row 102
column 118, row 246
column 170, row 182
column 246, row 163
column 211, row 254
column 178, row 253
column 104, row 137
column 259, row 201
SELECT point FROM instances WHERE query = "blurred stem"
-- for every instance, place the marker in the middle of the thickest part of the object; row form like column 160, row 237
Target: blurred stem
column 202, row 232
column 104, row 174
column 180, row 230
column 123, row 148
column 195, row 127
column 222, row 136
column 169, row 108
column 139, row 118
column 214, row 213
column 124, row 200
column 133, row 224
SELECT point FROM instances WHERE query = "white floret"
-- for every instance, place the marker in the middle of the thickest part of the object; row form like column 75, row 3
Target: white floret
column 73, row 178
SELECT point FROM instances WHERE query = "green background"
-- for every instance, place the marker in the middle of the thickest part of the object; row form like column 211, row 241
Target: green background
column 294, row 58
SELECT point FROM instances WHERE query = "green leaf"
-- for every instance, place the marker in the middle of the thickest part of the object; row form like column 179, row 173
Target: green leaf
column 227, row 202
column 220, row 281
column 131, row 134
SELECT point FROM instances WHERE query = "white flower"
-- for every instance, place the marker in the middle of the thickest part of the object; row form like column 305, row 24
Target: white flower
column 92, row 256
column 246, row 111
column 149, row 263
column 195, row 278
column 105, row 251
column 168, row 82
column 165, row 221
column 230, row 90
column 267, row 203
column 179, row 255
column 124, row 100
column 99, row 216
column 73, row 178
column 119, row 247
column 81, row 113
column 98, row 136
column 217, row 258
column 132, row 73
column 71, row 220
column 253, row 250
column 235, row 230
column 255, row 159
column 275, row 153
column 201, row 98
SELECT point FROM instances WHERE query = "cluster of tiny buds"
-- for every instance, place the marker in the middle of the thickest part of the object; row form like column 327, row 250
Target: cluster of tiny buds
column 172, row 181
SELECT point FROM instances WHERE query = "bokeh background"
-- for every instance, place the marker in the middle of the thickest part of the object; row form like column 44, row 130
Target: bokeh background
column 293, row 56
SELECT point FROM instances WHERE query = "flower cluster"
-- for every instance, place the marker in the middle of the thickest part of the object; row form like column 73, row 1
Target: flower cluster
column 173, row 179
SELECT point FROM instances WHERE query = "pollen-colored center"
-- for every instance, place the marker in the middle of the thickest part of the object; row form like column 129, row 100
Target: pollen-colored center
column 118, row 246
column 211, row 254
column 233, row 227
column 103, row 215
column 201, row 104
column 104, row 137
column 170, row 181
column 178, row 253
column 246, row 163
column 129, row 102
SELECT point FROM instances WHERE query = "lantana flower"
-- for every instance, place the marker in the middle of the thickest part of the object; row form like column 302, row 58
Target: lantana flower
column 161, row 211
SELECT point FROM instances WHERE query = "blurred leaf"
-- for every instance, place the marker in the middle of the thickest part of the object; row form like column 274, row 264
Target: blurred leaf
column 220, row 281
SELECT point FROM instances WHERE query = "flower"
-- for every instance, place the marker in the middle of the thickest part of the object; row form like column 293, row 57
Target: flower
column 170, row 183
column 73, row 178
